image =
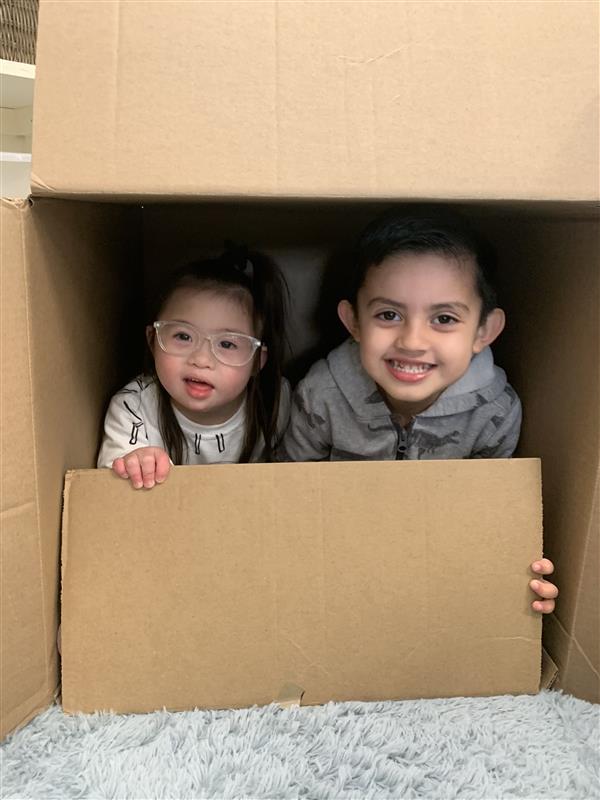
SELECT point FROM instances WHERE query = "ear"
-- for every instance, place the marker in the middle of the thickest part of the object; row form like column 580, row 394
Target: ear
column 490, row 330
column 349, row 319
column 259, row 362
column 150, row 336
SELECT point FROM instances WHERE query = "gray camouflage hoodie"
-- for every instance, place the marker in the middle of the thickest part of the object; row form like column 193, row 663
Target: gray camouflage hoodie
column 338, row 414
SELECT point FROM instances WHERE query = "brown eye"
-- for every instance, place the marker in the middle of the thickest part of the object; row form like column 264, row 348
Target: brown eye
column 388, row 316
column 227, row 344
column 445, row 319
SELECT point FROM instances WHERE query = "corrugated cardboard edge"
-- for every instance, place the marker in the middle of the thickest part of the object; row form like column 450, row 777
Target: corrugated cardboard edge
column 52, row 684
column 549, row 671
column 166, row 193
column 38, row 187
column 64, row 548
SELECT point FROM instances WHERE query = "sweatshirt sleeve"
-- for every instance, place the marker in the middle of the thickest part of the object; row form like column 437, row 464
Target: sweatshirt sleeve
column 500, row 437
column 308, row 435
column 124, row 427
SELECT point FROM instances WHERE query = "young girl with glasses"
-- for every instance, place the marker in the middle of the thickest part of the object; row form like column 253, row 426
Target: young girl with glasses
column 214, row 392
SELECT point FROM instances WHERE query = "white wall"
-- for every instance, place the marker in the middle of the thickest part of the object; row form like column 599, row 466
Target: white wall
column 16, row 114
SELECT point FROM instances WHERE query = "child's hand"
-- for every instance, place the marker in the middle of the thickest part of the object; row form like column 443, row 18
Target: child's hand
column 544, row 589
column 144, row 466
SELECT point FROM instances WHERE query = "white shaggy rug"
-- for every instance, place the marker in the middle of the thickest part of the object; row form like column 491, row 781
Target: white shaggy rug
column 542, row 746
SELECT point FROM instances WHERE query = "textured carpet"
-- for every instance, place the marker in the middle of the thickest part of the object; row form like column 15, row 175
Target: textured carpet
column 542, row 746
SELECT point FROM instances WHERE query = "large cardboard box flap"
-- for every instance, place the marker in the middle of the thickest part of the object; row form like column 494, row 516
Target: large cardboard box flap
column 55, row 376
column 28, row 673
column 317, row 99
column 576, row 640
column 356, row 581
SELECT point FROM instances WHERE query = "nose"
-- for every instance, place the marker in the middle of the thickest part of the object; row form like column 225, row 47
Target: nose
column 202, row 356
column 411, row 339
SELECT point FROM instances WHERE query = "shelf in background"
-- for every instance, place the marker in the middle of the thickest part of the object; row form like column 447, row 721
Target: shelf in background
column 16, row 110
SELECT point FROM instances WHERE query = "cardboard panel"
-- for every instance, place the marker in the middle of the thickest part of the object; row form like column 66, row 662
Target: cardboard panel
column 62, row 301
column 305, row 99
column 578, row 649
column 586, row 630
column 551, row 350
column 29, row 667
column 78, row 292
column 28, row 673
column 351, row 580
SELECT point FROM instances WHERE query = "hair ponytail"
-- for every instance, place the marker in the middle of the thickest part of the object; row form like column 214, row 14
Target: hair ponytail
column 270, row 296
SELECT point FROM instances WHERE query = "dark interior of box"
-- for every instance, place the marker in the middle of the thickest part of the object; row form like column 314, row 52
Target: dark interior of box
column 548, row 285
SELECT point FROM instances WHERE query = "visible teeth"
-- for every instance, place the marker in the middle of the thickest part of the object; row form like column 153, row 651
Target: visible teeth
column 414, row 368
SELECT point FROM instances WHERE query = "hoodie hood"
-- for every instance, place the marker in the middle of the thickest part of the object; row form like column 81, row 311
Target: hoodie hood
column 480, row 384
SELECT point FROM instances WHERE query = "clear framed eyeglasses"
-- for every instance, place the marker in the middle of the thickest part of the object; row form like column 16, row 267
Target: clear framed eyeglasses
column 182, row 339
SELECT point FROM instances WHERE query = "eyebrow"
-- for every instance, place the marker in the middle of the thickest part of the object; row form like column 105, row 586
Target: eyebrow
column 217, row 330
column 455, row 304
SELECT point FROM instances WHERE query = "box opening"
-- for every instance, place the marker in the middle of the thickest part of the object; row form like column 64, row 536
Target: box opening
column 86, row 269
column 548, row 284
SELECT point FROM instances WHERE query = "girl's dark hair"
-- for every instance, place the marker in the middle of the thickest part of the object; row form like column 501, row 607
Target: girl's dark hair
column 253, row 277
column 424, row 231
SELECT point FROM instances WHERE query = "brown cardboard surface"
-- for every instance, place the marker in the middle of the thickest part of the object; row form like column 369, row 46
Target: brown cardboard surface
column 67, row 252
column 586, row 629
column 350, row 580
column 28, row 675
column 549, row 671
column 552, row 283
column 60, row 263
column 71, row 277
column 576, row 673
column 578, row 646
column 318, row 99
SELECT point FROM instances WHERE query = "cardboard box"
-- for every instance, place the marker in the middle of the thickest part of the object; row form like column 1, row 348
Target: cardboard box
column 71, row 277
column 111, row 120
column 318, row 99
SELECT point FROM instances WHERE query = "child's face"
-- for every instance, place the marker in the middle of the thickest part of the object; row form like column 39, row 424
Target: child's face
column 202, row 388
column 418, row 325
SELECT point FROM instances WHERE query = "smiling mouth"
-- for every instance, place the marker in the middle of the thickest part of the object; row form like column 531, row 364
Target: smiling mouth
column 410, row 368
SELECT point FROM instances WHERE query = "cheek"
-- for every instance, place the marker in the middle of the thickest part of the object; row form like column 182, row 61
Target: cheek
column 164, row 365
column 373, row 339
column 237, row 379
column 457, row 352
